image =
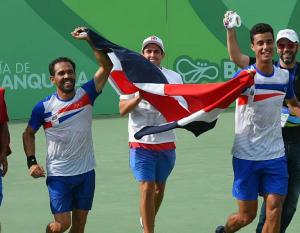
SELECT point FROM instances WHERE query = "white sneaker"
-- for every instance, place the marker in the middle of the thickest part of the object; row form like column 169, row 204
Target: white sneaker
column 141, row 223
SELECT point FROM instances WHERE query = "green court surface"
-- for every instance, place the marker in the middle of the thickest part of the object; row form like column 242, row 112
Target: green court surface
column 198, row 195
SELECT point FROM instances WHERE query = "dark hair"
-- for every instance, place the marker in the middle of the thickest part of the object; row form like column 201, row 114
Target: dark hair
column 57, row 60
column 259, row 29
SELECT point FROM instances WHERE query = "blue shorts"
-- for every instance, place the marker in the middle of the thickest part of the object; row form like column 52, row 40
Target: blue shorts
column 1, row 194
column 259, row 177
column 151, row 165
column 71, row 192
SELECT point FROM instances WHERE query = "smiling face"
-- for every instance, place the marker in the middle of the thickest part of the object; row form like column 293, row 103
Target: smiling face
column 64, row 79
column 263, row 47
column 153, row 53
column 287, row 52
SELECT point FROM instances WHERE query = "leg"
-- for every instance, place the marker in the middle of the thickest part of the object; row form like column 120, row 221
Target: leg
column 291, row 200
column 245, row 215
column 147, row 205
column 159, row 195
column 61, row 223
column 164, row 167
column 262, row 218
column 83, row 195
column 142, row 164
column 68, row 193
column 60, row 203
column 274, row 204
column 151, row 168
column 79, row 218
column 245, row 190
column 289, row 206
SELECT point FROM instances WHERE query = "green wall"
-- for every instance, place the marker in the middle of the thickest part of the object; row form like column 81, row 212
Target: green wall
column 36, row 31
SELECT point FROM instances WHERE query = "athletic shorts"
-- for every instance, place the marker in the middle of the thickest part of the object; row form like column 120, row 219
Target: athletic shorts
column 71, row 192
column 151, row 165
column 253, row 178
column 1, row 194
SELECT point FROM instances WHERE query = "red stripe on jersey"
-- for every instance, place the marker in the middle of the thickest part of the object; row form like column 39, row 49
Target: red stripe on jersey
column 47, row 125
column 242, row 100
column 85, row 100
column 265, row 96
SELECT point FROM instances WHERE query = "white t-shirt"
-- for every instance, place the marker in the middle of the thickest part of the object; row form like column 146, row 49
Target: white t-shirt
column 67, row 126
column 258, row 133
column 144, row 114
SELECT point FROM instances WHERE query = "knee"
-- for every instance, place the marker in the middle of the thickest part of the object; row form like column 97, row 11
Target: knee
column 159, row 190
column 147, row 191
column 275, row 206
column 274, row 212
column 58, row 227
column 246, row 219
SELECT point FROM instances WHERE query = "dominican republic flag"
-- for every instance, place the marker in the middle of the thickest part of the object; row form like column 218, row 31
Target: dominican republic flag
column 194, row 107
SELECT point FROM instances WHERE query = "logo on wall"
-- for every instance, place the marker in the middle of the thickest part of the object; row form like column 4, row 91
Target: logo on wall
column 196, row 71
column 203, row 71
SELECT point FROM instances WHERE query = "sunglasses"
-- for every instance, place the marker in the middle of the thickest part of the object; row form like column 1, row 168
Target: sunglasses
column 289, row 45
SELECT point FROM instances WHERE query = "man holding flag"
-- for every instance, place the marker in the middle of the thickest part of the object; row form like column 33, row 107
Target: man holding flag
column 259, row 161
column 287, row 42
column 145, row 88
column 152, row 157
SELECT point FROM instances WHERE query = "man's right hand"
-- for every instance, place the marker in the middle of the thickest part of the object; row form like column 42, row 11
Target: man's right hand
column 231, row 19
column 36, row 171
column 80, row 33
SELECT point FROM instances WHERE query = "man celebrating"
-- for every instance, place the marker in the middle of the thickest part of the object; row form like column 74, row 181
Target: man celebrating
column 152, row 158
column 66, row 117
column 287, row 47
column 259, row 161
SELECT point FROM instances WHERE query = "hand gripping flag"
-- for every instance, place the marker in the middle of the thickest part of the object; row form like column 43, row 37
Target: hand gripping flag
column 194, row 107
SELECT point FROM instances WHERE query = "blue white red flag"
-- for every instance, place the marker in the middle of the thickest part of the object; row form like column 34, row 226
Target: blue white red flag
column 194, row 107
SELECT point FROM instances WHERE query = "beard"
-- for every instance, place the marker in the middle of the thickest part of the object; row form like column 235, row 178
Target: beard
column 67, row 89
column 288, row 59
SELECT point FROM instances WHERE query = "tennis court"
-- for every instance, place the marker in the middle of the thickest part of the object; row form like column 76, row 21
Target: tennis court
column 198, row 195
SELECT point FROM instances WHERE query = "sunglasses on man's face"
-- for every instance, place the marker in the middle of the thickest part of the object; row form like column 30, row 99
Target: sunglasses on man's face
column 289, row 45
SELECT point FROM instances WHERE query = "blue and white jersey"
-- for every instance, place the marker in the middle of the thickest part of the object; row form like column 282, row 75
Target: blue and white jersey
column 145, row 114
column 258, row 133
column 67, row 126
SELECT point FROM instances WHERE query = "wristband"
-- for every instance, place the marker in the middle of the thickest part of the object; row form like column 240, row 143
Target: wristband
column 31, row 160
